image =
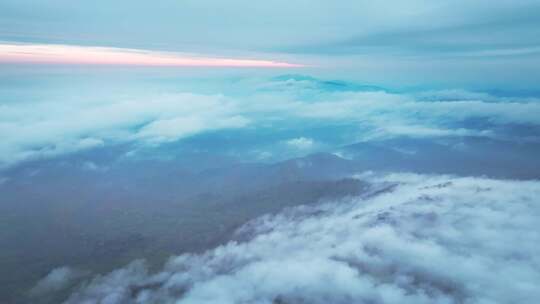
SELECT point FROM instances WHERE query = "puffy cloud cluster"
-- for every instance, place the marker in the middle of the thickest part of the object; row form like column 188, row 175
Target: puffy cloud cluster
column 31, row 130
column 410, row 239
column 52, row 127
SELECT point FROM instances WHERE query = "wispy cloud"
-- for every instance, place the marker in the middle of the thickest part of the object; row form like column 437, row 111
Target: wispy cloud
column 86, row 55
column 56, row 280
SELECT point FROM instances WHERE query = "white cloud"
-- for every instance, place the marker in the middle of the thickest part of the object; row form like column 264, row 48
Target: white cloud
column 57, row 279
column 422, row 131
column 412, row 239
column 48, row 128
column 262, row 155
column 173, row 129
column 51, row 128
column 301, row 143
column 379, row 106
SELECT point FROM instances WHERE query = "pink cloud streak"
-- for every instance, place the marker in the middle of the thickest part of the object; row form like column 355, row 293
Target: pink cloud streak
column 83, row 55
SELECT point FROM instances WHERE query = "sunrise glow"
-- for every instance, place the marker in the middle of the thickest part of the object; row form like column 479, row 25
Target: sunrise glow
column 82, row 55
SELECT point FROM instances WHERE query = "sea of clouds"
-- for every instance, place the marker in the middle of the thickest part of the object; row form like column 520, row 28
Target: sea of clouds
column 410, row 239
column 56, row 126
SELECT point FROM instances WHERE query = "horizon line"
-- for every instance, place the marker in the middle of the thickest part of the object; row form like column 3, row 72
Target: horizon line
column 63, row 54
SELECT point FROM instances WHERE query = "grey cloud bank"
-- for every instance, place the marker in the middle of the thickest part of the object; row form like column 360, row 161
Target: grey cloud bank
column 414, row 239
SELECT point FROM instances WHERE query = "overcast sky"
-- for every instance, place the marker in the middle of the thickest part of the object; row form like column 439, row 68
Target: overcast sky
column 483, row 43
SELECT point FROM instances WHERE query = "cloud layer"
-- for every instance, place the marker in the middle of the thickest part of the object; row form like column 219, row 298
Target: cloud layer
column 412, row 239
column 53, row 128
column 59, row 125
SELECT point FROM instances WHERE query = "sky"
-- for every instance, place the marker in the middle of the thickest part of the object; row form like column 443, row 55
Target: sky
column 473, row 43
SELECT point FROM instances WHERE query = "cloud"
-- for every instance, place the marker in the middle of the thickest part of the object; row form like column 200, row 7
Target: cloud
column 56, row 280
column 173, row 129
column 301, row 143
column 411, row 239
column 51, row 128
column 422, row 131
column 390, row 106
column 48, row 127
column 115, row 286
